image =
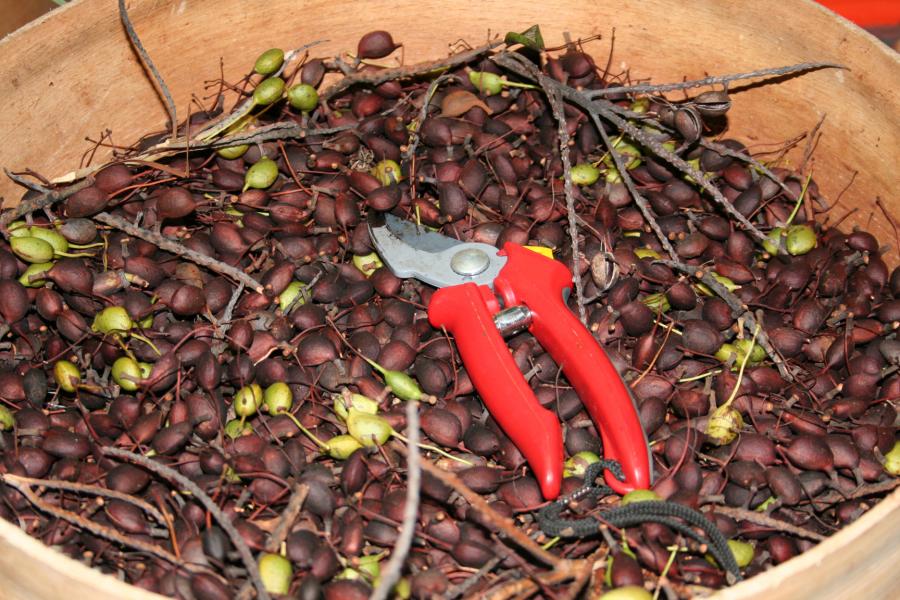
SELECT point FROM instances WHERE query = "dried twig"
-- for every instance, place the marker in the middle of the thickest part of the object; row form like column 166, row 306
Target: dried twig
column 559, row 114
column 506, row 525
column 21, row 484
column 85, row 488
column 179, row 249
column 391, row 573
column 288, row 516
column 520, row 66
column 717, row 79
column 145, row 58
column 739, row 309
column 758, row 518
column 374, row 78
column 43, row 201
column 201, row 496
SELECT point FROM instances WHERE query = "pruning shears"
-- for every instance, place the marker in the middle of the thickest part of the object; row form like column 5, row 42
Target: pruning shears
column 485, row 293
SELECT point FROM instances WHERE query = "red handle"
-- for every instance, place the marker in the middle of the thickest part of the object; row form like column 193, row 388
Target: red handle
column 465, row 310
column 539, row 283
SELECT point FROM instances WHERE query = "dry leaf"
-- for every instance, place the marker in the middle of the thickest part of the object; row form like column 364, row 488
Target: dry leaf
column 458, row 102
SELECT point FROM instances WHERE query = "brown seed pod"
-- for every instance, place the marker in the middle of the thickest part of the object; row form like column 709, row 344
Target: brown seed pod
column 86, row 202
column 375, row 44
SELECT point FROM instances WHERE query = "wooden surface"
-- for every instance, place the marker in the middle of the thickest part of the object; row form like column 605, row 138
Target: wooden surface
column 18, row 12
column 72, row 74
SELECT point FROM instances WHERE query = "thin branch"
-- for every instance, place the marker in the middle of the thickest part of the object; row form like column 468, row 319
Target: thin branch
column 374, row 78
column 299, row 492
column 520, row 66
column 201, row 496
column 559, row 114
column 717, row 79
column 758, row 518
column 89, row 489
column 423, row 114
column 99, row 530
column 501, row 522
column 145, row 58
column 177, row 248
column 43, row 201
column 391, row 573
column 738, row 308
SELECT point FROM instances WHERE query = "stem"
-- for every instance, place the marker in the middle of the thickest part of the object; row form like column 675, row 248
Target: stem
column 740, row 377
column 403, row 438
column 305, row 431
column 146, row 341
column 799, row 201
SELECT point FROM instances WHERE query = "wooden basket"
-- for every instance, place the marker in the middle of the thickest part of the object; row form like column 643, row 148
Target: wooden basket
column 72, row 75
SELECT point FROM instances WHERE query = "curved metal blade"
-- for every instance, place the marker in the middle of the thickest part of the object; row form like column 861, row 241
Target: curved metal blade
column 410, row 250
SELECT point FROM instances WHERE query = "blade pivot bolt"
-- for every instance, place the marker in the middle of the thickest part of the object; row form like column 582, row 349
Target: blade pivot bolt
column 469, row 262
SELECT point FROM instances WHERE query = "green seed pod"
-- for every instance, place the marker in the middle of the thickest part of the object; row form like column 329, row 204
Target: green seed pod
column 269, row 61
column 403, row 386
column 800, row 239
column 31, row 249
column 7, row 421
column 657, row 302
column 276, row 573
column 627, row 592
column 146, row 369
column 112, row 320
column 293, row 296
column 725, row 423
column 370, row 565
column 261, row 175
column 356, row 402
column 368, row 430
column 342, row 446
column 387, row 172
column 233, row 152
column 757, row 352
column 641, row 105
column 486, row 82
column 729, row 284
column 19, row 229
column 278, row 398
column 726, row 351
column 244, row 404
column 892, row 460
column 743, row 552
column 368, row 263
column 303, row 97
column 629, row 154
column 773, row 240
column 647, row 253
column 578, row 464
column 235, row 429
column 638, row 496
column 585, row 174
column 403, row 589
column 126, row 372
column 268, row 91
column 35, row 275
column 56, row 240
column 67, row 375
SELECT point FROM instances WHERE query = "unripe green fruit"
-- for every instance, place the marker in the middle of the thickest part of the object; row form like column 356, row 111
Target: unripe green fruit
column 7, row 421
column 303, row 97
column 486, row 82
column 367, row 263
column 585, row 174
column 261, row 175
column 892, row 460
column 342, row 446
column 627, row 592
column 294, row 295
column 112, row 319
column 268, row 91
column 67, row 375
column 126, row 372
column 269, row 61
column 639, row 496
column 233, row 152
column 55, row 239
column 35, row 275
column 235, row 429
column 578, row 464
column 276, row 573
column 278, row 398
column 356, row 402
column 387, row 172
column 367, row 429
column 725, row 423
column 800, row 239
column 31, row 249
